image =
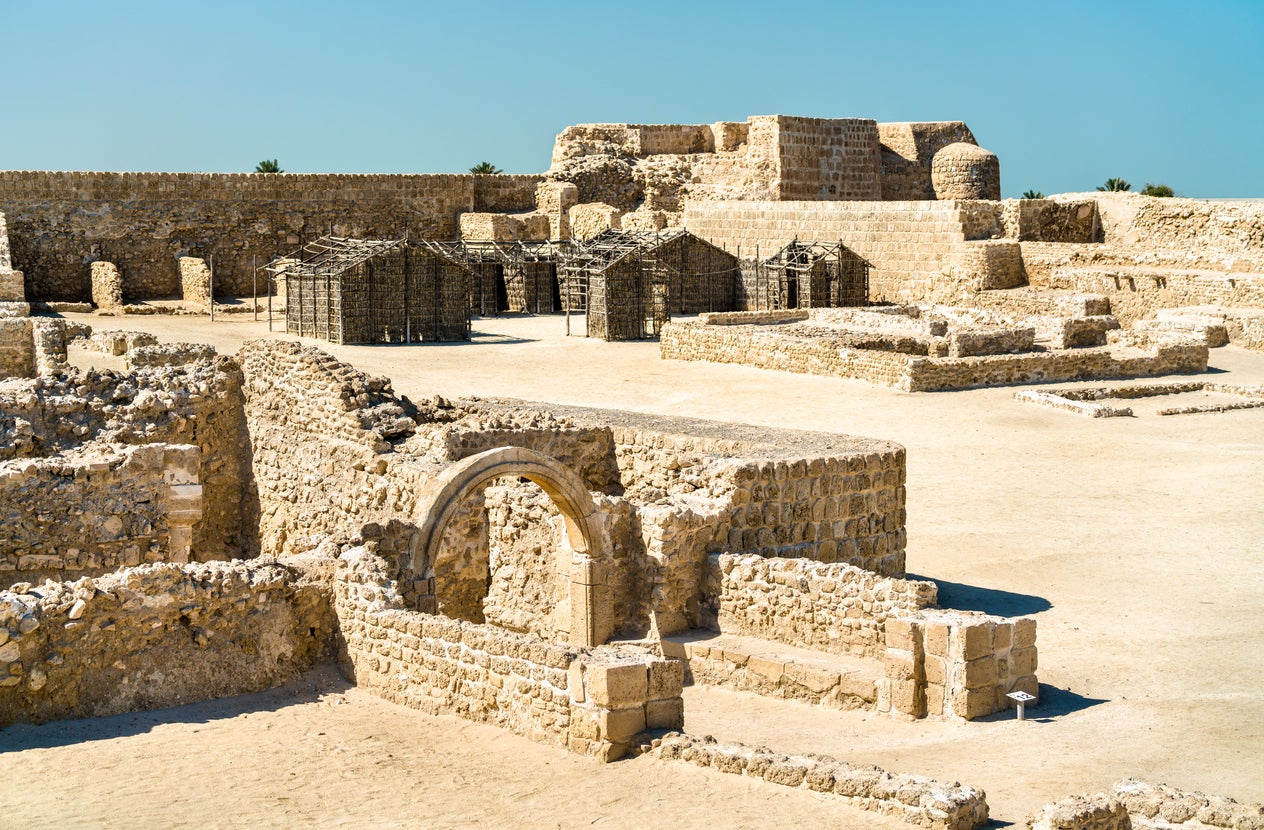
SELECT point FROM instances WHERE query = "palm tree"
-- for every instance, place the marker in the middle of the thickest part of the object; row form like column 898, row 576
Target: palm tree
column 268, row 166
column 485, row 168
column 1033, row 194
column 1114, row 185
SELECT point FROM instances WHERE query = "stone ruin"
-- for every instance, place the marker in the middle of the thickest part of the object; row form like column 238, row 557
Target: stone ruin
column 572, row 568
column 560, row 572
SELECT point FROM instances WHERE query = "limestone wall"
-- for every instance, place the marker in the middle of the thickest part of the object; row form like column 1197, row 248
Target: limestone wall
column 62, row 221
column 12, row 289
column 918, row 800
column 826, row 158
column 836, row 608
column 592, row 701
column 1137, row 804
column 157, row 635
column 911, row 247
column 1124, row 356
column 97, row 510
column 200, row 405
column 1230, row 233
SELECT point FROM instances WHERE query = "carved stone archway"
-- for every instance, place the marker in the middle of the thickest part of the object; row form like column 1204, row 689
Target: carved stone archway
column 441, row 499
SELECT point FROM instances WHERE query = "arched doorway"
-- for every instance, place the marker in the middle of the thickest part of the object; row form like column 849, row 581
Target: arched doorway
column 441, row 501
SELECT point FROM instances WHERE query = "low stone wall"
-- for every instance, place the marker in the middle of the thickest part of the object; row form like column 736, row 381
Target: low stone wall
column 838, row 608
column 168, row 354
column 915, row 799
column 96, row 510
column 31, row 346
column 1136, row 804
column 120, row 342
column 768, row 348
column 158, row 635
column 1136, row 292
column 592, row 701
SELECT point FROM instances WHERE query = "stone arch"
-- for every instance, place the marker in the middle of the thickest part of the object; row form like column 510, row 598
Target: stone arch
column 443, row 494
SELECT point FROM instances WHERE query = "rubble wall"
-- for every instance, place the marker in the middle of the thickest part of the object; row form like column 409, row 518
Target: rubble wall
column 199, row 404
column 836, row 608
column 1143, row 806
column 157, row 635
column 62, row 221
column 95, row 511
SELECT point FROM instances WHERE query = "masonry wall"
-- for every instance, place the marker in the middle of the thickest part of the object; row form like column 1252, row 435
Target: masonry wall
column 60, row 222
column 98, row 510
column 199, row 405
column 912, row 247
column 836, row 608
column 592, row 701
column 828, row 158
column 158, row 635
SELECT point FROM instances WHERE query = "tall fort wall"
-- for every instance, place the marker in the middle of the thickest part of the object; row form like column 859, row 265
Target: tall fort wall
column 60, row 222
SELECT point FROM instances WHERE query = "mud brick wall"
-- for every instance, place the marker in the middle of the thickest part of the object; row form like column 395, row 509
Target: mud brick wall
column 60, row 222
column 92, row 512
column 200, row 405
column 836, row 608
column 911, row 247
column 593, row 701
column 158, row 635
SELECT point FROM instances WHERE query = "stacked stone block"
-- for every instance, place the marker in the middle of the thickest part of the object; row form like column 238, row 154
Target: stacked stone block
column 956, row 664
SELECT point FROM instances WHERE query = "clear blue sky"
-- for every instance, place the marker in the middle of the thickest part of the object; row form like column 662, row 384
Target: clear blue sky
column 1066, row 93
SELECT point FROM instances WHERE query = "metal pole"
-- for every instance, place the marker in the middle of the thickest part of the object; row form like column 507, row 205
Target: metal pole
column 211, row 285
column 254, row 289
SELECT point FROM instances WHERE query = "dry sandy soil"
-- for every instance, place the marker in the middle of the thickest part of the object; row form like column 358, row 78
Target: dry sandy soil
column 1136, row 543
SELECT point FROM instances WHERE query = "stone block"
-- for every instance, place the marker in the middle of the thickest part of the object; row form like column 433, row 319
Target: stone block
column 666, row 679
column 665, row 714
column 976, row 640
column 1024, row 632
column 621, row 724
column 981, row 672
column 1022, row 661
column 817, row 681
column 902, row 634
column 772, row 670
column 906, row 697
column 974, row 703
column 616, row 684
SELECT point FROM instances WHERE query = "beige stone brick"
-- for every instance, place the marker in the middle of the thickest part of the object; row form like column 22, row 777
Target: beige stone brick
column 616, row 685
column 621, row 724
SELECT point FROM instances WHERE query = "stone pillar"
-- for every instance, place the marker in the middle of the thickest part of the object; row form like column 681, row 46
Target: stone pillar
column 107, row 286
column 555, row 200
column 184, row 499
column 195, row 282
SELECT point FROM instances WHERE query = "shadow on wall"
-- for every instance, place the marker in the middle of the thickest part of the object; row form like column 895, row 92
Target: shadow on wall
column 961, row 597
column 308, row 688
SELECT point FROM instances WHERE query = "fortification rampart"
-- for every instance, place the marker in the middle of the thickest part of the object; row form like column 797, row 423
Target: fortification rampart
column 60, row 222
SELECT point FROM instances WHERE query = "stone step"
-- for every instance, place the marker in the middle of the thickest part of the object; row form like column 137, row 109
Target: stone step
column 839, row 681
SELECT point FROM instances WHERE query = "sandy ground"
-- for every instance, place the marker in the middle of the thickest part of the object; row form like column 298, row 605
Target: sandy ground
column 1136, row 542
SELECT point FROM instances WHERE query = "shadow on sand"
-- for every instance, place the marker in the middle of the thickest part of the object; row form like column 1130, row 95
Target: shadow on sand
column 309, row 688
column 961, row 597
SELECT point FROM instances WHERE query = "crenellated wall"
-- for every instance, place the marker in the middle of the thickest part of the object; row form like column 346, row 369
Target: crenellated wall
column 61, row 222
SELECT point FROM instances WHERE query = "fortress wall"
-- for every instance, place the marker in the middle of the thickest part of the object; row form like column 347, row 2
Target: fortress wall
column 60, row 222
